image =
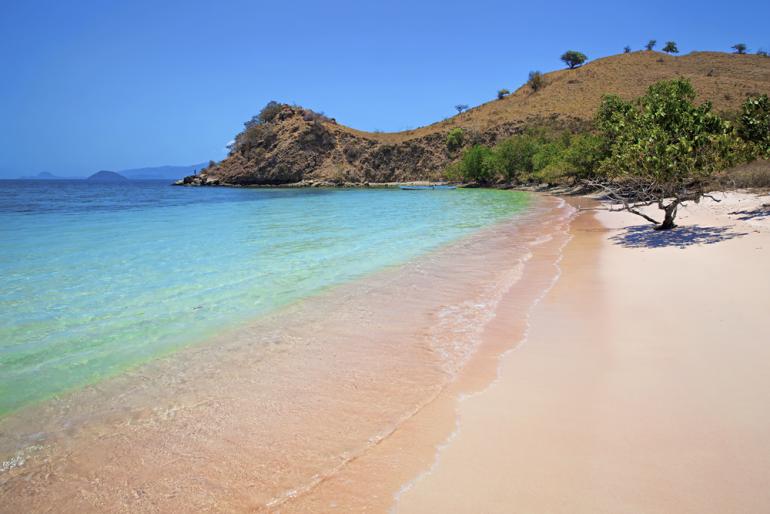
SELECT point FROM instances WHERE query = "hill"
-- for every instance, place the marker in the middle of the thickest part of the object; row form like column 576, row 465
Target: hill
column 107, row 176
column 44, row 175
column 298, row 146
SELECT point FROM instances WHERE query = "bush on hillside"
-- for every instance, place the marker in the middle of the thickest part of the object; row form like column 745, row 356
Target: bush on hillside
column 461, row 107
column 627, row 49
column 477, row 164
column 739, row 48
column 536, row 80
column 266, row 115
column 670, row 48
column 455, row 139
column 650, row 44
column 502, row 93
column 573, row 59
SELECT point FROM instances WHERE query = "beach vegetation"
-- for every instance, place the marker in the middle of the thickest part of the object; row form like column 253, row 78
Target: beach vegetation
column 662, row 148
column 754, row 123
column 573, row 59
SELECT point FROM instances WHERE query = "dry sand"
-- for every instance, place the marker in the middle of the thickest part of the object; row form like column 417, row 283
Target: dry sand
column 643, row 384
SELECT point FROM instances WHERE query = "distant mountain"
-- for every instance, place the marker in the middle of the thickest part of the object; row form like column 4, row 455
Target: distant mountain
column 162, row 172
column 44, row 176
column 107, row 176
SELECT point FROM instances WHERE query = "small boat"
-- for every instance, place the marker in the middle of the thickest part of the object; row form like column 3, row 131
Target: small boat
column 418, row 188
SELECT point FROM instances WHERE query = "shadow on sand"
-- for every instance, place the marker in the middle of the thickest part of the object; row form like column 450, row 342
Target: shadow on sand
column 759, row 212
column 644, row 236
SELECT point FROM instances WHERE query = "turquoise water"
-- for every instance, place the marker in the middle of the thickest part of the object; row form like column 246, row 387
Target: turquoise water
column 95, row 278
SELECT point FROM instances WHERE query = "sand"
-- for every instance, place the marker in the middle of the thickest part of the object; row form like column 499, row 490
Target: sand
column 643, row 384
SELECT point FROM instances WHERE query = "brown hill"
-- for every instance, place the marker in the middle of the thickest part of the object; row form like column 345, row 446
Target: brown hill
column 297, row 148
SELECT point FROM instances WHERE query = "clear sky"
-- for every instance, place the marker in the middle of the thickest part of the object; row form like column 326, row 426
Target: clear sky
column 89, row 85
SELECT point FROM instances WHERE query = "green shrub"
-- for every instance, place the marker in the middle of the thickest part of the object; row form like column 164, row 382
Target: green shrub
column 502, row 93
column 536, row 80
column 478, row 164
column 455, row 138
column 584, row 154
column 754, row 122
column 573, row 59
column 670, row 48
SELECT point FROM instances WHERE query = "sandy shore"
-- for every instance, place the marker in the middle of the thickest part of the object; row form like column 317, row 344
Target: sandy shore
column 643, row 384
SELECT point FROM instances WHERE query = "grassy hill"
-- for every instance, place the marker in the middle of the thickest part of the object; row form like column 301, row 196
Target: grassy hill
column 297, row 147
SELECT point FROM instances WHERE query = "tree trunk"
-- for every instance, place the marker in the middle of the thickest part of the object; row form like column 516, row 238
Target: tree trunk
column 668, row 221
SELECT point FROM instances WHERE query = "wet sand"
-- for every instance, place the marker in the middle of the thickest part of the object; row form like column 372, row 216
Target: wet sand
column 330, row 404
column 643, row 384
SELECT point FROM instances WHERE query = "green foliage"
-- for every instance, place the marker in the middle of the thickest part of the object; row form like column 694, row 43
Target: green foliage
column 502, row 93
column 573, row 59
column 650, row 44
column 455, row 138
column 739, row 48
column 478, row 163
column 754, row 122
column 536, row 80
column 664, row 138
column 584, row 154
column 670, row 48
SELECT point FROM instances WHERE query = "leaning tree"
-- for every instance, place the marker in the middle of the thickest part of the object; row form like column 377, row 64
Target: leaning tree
column 662, row 149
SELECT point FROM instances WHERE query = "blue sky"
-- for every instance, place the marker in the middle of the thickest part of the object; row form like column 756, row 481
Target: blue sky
column 115, row 85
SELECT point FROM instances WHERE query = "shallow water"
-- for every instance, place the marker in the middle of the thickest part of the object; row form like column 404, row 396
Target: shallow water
column 96, row 278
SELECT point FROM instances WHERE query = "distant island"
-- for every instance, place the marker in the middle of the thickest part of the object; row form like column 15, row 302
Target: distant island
column 44, row 175
column 107, row 176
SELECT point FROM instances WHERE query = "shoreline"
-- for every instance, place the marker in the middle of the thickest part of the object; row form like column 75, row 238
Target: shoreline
column 625, row 404
column 286, row 403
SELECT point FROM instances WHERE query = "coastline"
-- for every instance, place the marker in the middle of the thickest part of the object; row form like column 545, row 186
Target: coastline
column 641, row 384
column 257, row 418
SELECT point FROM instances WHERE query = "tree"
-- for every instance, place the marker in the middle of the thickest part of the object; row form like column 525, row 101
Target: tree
column 502, row 93
column 762, row 52
column 662, row 148
column 670, row 48
column 739, row 48
column 461, row 107
column 536, row 80
column 573, row 59
column 627, row 49
column 650, row 44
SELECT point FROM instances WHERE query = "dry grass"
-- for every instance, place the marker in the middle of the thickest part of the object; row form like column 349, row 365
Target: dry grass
column 752, row 175
column 722, row 78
